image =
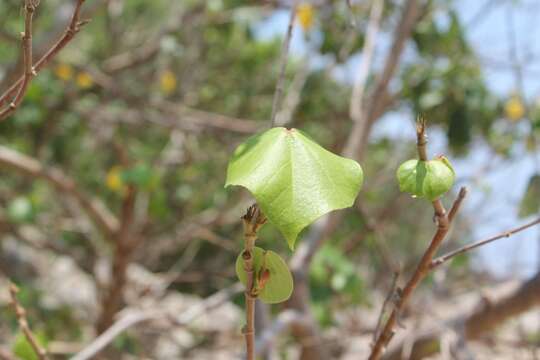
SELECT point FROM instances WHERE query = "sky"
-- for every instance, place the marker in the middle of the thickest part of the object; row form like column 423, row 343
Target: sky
column 494, row 195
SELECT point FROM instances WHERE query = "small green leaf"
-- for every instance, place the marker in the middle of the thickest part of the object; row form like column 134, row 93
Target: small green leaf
column 530, row 203
column 429, row 179
column 294, row 180
column 279, row 286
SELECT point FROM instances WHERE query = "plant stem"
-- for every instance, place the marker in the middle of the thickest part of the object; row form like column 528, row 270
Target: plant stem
column 253, row 220
column 20, row 312
column 19, row 87
column 424, row 265
column 276, row 103
column 444, row 258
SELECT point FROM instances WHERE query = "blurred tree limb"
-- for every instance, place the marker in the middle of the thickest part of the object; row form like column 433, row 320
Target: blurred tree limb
column 32, row 168
column 357, row 140
column 490, row 314
column 20, row 312
column 19, row 87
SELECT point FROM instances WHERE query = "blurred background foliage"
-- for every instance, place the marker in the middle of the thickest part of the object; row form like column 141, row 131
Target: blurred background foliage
column 119, row 108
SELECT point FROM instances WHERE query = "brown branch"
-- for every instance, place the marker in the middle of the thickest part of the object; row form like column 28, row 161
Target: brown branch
column 484, row 320
column 391, row 293
column 292, row 99
column 376, row 105
column 424, row 265
column 253, row 220
column 34, row 169
column 125, row 243
column 357, row 97
column 444, row 258
column 28, row 72
column 21, row 84
column 135, row 317
column 421, row 139
column 276, row 103
column 457, row 204
column 20, row 312
column 173, row 115
column 378, row 98
column 5, row 355
column 148, row 50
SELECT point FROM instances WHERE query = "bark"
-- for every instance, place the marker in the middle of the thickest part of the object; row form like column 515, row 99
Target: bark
column 486, row 319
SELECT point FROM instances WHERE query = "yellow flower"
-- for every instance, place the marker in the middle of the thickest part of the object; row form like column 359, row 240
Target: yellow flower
column 84, row 80
column 114, row 180
column 64, row 71
column 514, row 108
column 306, row 14
column 167, row 82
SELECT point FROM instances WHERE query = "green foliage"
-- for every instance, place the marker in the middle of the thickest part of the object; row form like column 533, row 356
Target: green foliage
column 446, row 84
column 23, row 349
column 530, row 202
column 294, row 180
column 429, row 179
column 140, row 175
column 278, row 286
column 332, row 268
column 21, row 210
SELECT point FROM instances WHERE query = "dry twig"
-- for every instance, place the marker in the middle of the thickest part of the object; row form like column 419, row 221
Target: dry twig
column 19, row 87
column 506, row 234
column 20, row 312
column 138, row 316
column 423, row 267
column 276, row 104
column 32, row 168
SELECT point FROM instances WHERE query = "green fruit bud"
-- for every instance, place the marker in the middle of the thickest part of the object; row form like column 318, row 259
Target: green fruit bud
column 429, row 179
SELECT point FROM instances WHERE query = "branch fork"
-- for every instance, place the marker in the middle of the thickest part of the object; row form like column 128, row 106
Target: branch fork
column 443, row 220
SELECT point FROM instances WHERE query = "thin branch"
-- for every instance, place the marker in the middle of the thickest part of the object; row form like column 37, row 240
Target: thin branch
column 424, row 265
column 357, row 98
column 21, row 84
column 389, row 296
column 457, row 204
column 146, row 51
column 378, row 97
column 292, row 99
column 136, row 317
column 276, row 104
column 125, row 243
column 253, row 220
column 502, row 305
column 280, row 324
column 444, row 258
column 32, row 168
column 421, row 139
column 20, row 312
column 28, row 72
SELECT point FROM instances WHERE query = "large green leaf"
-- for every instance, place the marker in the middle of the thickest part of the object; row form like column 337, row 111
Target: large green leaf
column 293, row 179
column 279, row 285
column 429, row 179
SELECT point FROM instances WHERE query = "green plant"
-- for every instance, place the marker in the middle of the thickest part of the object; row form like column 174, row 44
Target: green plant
column 295, row 181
